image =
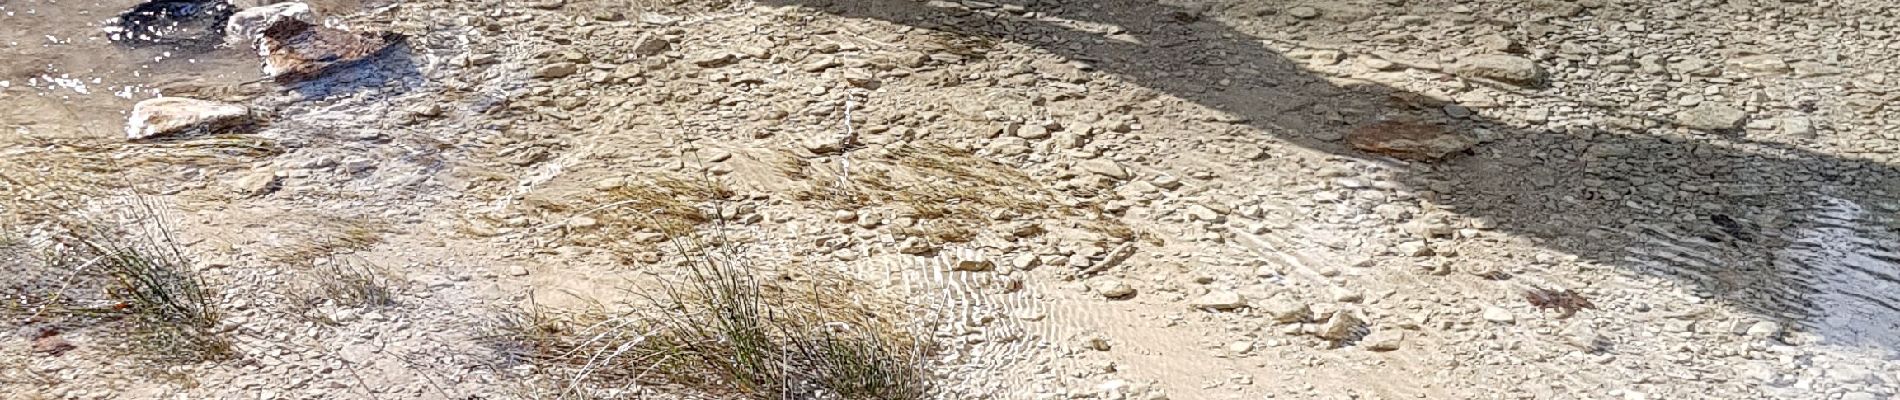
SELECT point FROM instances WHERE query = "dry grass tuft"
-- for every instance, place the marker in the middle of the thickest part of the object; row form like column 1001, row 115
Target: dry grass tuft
column 308, row 239
column 723, row 332
column 123, row 267
column 83, row 252
column 344, row 282
column 961, row 192
column 630, row 218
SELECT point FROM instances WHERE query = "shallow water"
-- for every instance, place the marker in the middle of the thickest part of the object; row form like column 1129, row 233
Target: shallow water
column 61, row 74
column 1850, row 254
column 1833, row 271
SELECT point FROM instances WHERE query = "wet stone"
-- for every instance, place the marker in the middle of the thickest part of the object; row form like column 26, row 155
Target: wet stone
column 185, row 24
column 295, row 50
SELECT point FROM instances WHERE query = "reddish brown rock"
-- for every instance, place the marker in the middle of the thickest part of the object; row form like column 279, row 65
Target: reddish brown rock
column 1409, row 140
column 52, row 345
column 295, row 50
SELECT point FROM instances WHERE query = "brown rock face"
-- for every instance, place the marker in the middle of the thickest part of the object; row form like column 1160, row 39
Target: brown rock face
column 295, row 50
column 1408, row 140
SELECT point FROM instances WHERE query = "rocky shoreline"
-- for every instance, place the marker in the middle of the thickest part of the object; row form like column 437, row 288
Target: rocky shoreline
column 1120, row 199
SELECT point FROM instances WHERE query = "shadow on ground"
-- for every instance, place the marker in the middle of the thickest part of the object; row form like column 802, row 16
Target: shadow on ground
column 1784, row 233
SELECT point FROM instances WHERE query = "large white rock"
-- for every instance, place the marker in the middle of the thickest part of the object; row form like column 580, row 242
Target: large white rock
column 245, row 26
column 171, row 116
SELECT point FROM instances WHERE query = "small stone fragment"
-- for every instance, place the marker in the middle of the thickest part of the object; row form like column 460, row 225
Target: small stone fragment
column 972, row 261
column 1498, row 315
column 1113, row 289
column 256, row 184
column 1762, row 64
column 246, row 25
column 1303, row 12
column 1415, row 249
column 52, row 345
column 556, row 70
column 1286, row 312
column 1104, row 167
column 1764, row 329
column 651, row 45
column 1219, row 301
column 1341, row 326
column 1383, row 340
column 1712, row 117
column 1509, row 69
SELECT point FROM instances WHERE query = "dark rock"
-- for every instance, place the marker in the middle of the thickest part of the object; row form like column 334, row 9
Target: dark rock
column 1408, row 140
column 295, row 50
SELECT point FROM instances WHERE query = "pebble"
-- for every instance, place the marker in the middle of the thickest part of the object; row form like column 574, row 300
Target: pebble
column 1220, row 301
column 1502, row 68
column 1104, row 167
column 1342, row 325
column 557, row 70
column 1498, row 315
column 1303, row 12
column 1113, row 289
column 1286, row 311
column 1383, row 340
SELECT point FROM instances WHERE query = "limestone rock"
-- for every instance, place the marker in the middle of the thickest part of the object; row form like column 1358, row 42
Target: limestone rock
column 1498, row 43
column 1383, row 340
column 1342, row 325
column 1415, row 249
column 1286, row 312
column 1712, row 117
column 1498, row 315
column 1409, row 140
column 556, row 70
column 1763, row 329
column 174, row 116
column 1762, row 64
column 1220, row 301
column 256, row 184
column 1303, row 12
column 1509, row 69
column 651, row 45
column 246, row 25
column 972, row 261
column 1113, row 289
column 1104, row 167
